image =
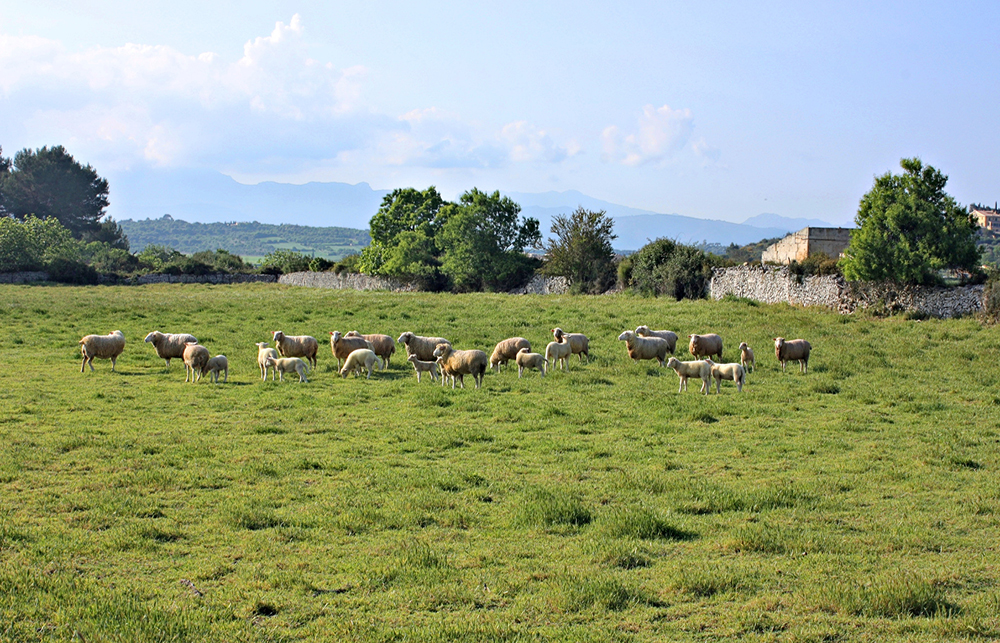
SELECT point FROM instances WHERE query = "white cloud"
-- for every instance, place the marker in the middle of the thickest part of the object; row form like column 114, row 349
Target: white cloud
column 527, row 144
column 661, row 134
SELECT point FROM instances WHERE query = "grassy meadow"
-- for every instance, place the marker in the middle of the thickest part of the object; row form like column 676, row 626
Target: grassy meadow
column 860, row 501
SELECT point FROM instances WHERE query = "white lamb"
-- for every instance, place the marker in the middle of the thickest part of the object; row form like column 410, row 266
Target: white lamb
column 701, row 368
column 732, row 372
column 263, row 352
column 746, row 357
column 216, row 365
column 524, row 360
column 108, row 346
column 557, row 354
column 288, row 365
column 358, row 361
column 421, row 366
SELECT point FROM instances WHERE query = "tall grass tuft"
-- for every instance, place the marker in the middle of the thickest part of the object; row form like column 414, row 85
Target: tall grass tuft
column 890, row 595
column 551, row 508
column 642, row 523
column 607, row 593
column 704, row 581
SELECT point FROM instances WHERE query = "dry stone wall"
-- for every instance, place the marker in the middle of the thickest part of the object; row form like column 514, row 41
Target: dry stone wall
column 344, row 281
column 215, row 278
column 23, row 277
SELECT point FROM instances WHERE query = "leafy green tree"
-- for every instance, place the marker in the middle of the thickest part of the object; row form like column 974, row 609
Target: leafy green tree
column 284, row 261
column 909, row 229
column 665, row 267
column 156, row 257
column 32, row 244
column 405, row 210
column 581, row 250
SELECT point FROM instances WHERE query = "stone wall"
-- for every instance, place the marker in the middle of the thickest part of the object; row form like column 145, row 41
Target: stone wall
column 344, row 281
column 218, row 278
column 542, row 285
column 23, row 277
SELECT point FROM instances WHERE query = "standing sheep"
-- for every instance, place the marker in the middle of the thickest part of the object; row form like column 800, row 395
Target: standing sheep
column 701, row 368
column 507, row 350
column 424, row 367
column 579, row 344
column 217, row 364
column 288, row 365
column 705, row 345
column 196, row 359
column 645, row 347
column 458, row 363
column 297, row 346
column 558, row 353
column 108, row 346
column 746, row 357
column 357, row 361
column 263, row 352
column 524, row 360
column 797, row 349
column 422, row 347
column 669, row 335
column 342, row 346
column 383, row 345
column 169, row 345
column 732, row 372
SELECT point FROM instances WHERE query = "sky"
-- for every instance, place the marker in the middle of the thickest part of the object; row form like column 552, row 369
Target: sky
column 719, row 110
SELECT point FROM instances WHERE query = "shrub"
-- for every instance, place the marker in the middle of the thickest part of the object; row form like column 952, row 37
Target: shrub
column 665, row 267
column 283, row 262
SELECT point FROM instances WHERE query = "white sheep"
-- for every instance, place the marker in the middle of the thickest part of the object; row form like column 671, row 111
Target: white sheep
column 216, row 365
column 557, row 354
column 195, row 359
column 297, row 346
column 645, row 347
column 458, row 363
column 507, row 350
column 579, row 344
column 169, row 345
column 669, row 335
column 383, row 345
column 358, row 361
column 524, row 360
column 422, row 347
column 732, row 372
column 288, row 365
column 108, row 346
column 701, row 368
column 705, row 345
column 342, row 345
column 424, row 367
column 787, row 350
column 263, row 352
column 746, row 357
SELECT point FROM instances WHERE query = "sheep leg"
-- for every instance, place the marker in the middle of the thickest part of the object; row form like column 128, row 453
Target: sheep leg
column 113, row 361
column 83, row 366
column 520, row 371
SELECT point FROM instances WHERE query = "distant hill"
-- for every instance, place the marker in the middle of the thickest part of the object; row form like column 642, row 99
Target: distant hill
column 768, row 220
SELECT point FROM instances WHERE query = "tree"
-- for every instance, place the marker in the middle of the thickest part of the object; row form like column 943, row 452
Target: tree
column 909, row 229
column 665, row 267
column 581, row 250
column 403, row 211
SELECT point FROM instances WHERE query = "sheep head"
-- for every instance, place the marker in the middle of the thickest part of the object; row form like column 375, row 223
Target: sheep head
column 152, row 337
column 627, row 336
column 441, row 351
column 405, row 338
column 335, row 337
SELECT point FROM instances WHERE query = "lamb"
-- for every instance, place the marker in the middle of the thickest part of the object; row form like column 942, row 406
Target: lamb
column 669, row 335
column 424, row 367
column 645, row 347
column 524, row 360
column 195, row 359
column 288, row 365
column 733, row 372
column 217, row 364
column 263, row 352
column 383, row 345
column 458, row 363
column 169, row 345
column 422, row 347
column 792, row 349
column 507, row 350
column 701, row 368
column 706, row 345
column 579, row 343
column 559, row 352
column 342, row 346
column 746, row 357
column 297, row 346
column 359, row 360
column 108, row 346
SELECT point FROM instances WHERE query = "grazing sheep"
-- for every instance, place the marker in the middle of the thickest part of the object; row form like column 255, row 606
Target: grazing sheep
column 645, row 347
column 195, row 359
column 746, row 357
column 524, row 360
column 787, row 350
column 701, row 368
column 383, row 345
column 732, row 372
column 263, row 352
column 669, row 335
column 507, row 350
column 706, row 345
column 558, row 353
column 288, row 365
column 217, row 364
column 422, row 347
column 297, row 346
column 358, row 361
column 108, row 346
column 458, row 363
column 342, row 346
column 579, row 343
column 169, row 345
column 424, row 367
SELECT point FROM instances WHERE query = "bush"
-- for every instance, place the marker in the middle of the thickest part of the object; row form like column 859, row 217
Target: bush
column 350, row 263
column 283, row 262
column 319, row 264
column 70, row 271
column 665, row 267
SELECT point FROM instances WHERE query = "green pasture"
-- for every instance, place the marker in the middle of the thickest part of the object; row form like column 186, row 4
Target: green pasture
column 860, row 501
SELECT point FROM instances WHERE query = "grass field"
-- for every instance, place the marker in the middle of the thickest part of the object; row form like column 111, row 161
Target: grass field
column 860, row 501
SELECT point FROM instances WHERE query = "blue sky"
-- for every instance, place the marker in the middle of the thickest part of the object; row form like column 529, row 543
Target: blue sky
column 721, row 110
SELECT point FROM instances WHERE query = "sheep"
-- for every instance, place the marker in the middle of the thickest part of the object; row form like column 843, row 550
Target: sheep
column 288, row 365
column 195, row 358
column 507, row 350
column 645, row 347
column 706, row 345
column 669, row 335
column 383, row 345
column 297, row 346
column 458, row 363
column 701, row 368
column 424, row 367
column 169, row 345
column 558, row 353
column 359, row 360
column 422, row 347
column 792, row 349
column 733, row 372
column 108, row 346
column 524, row 360
column 579, row 343
column 746, row 357
column 214, row 366
column 263, row 352
column 342, row 346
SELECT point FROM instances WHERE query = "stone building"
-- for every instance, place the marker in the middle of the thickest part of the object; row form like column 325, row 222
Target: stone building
column 806, row 242
column 988, row 218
